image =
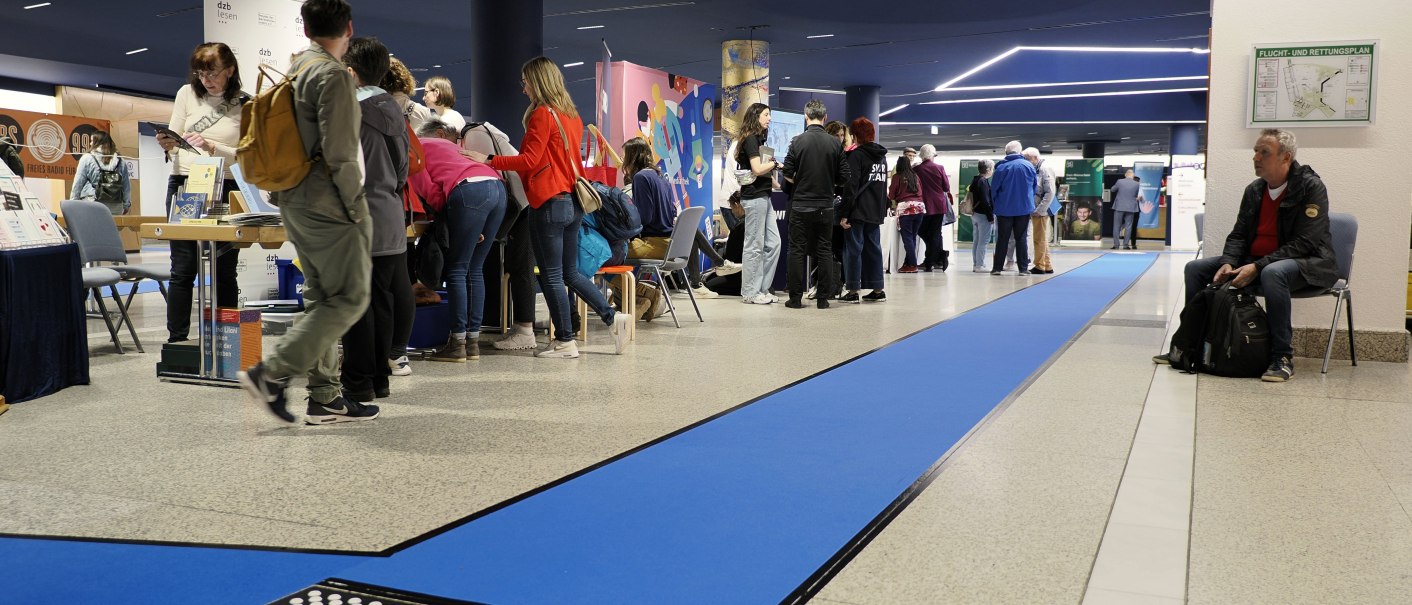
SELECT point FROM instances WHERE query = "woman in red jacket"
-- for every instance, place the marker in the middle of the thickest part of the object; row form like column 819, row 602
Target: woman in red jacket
column 548, row 161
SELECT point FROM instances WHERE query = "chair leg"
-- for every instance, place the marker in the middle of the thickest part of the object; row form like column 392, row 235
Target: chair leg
column 1333, row 329
column 662, row 283
column 132, row 331
column 103, row 311
column 692, row 296
column 629, row 284
column 131, row 294
column 1352, row 351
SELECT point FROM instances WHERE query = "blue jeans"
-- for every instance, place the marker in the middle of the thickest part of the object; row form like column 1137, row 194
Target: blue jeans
column 473, row 210
column 554, row 228
column 862, row 261
column 980, row 238
column 762, row 247
column 911, row 225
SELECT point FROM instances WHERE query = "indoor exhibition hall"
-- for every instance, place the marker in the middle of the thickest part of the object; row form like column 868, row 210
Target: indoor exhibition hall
column 438, row 302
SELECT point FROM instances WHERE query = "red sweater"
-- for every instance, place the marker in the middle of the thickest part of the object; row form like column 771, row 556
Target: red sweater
column 445, row 169
column 545, row 167
column 1267, row 233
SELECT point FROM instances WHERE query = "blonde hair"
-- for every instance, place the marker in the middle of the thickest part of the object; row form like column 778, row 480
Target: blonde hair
column 399, row 78
column 546, row 87
column 445, row 96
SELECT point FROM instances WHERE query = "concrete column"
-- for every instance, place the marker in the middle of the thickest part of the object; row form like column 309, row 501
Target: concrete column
column 1186, row 139
column 745, row 80
column 504, row 35
column 862, row 102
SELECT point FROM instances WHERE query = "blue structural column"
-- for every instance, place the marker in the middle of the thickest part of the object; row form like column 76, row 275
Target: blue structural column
column 862, row 102
column 1186, row 139
column 503, row 36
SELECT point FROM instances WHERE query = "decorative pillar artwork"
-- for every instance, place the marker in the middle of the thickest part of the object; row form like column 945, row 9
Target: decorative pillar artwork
column 1082, row 210
column 675, row 115
column 745, row 80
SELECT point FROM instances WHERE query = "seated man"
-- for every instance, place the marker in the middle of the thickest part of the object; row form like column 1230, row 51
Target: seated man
column 1280, row 242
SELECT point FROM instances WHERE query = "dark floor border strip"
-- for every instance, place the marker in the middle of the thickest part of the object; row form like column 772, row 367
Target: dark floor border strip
column 845, row 555
column 399, row 547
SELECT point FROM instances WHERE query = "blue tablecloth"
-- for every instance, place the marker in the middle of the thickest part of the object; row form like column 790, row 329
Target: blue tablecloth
column 43, row 332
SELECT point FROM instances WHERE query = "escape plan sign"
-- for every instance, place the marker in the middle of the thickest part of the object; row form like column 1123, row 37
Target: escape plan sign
column 1314, row 84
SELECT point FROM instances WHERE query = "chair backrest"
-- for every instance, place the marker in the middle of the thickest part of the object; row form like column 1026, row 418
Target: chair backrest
column 92, row 227
column 684, row 233
column 1200, row 226
column 1343, row 229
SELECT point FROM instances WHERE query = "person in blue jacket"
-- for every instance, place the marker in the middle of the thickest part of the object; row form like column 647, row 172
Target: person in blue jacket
column 1012, row 195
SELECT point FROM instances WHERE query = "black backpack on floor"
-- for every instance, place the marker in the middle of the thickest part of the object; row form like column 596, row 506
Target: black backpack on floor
column 1223, row 332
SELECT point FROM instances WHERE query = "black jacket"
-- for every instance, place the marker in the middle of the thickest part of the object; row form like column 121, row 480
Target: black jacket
column 866, row 198
column 980, row 198
column 1303, row 228
column 816, row 165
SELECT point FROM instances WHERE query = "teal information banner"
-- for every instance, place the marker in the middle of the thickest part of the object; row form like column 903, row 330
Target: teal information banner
column 965, row 229
column 1082, row 212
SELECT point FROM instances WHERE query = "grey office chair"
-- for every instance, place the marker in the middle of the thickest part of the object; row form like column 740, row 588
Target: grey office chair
column 678, row 255
column 92, row 227
column 99, row 277
column 1343, row 228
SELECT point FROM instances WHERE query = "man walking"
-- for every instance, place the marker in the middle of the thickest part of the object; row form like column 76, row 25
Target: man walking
column 1039, row 220
column 1012, row 194
column 326, row 217
column 1126, row 195
column 816, row 167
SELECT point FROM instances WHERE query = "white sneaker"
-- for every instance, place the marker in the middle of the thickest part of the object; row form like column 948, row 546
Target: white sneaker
column 980, row 270
column 619, row 330
column 560, row 350
column 759, row 299
column 702, row 291
column 516, row 340
column 1011, row 267
column 729, row 268
column 773, row 298
column 810, row 294
column 400, row 366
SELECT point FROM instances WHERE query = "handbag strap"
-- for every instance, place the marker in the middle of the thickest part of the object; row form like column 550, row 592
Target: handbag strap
column 565, row 138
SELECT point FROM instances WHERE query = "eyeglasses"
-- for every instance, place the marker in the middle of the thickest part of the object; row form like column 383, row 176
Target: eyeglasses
column 208, row 75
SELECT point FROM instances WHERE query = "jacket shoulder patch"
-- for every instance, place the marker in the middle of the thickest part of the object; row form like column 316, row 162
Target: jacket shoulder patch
column 1311, row 211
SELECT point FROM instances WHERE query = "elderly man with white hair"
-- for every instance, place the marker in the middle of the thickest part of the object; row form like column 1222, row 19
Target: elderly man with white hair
column 1012, row 194
column 1039, row 220
column 936, row 196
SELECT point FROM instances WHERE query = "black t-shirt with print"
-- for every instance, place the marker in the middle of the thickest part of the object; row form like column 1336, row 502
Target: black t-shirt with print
column 750, row 148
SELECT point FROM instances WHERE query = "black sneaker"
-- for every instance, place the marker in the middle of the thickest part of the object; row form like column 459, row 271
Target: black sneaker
column 996, row 272
column 1163, row 359
column 339, row 410
column 876, row 296
column 1281, row 370
column 794, row 303
column 266, row 391
column 851, row 297
column 822, row 303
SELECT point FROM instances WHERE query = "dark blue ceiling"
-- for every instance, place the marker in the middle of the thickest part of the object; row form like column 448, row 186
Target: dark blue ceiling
column 906, row 49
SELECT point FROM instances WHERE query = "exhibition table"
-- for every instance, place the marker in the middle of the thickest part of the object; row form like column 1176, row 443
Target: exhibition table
column 209, row 237
column 128, row 227
column 43, row 332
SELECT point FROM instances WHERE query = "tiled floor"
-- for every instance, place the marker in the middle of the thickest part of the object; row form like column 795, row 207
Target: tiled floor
column 1107, row 480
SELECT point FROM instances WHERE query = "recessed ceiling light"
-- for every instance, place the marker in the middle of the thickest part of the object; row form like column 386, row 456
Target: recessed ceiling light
column 592, row 27
column 40, row 5
column 819, row 36
column 437, row 66
column 576, row 64
column 1154, row 143
column 787, row 77
column 133, row 52
column 1125, row 138
column 1093, row 133
column 975, row 134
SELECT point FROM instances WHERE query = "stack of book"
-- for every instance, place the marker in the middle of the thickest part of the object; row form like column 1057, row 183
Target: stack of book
column 253, row 219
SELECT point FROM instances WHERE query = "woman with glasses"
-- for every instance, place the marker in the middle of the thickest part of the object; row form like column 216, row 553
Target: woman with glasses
column 548, row 163
column 207, row 114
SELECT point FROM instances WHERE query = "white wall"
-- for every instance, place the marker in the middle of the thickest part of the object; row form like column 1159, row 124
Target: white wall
column 1362, row 167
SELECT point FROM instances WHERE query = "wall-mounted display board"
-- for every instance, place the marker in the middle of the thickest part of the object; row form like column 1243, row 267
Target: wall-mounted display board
column 1313, row 84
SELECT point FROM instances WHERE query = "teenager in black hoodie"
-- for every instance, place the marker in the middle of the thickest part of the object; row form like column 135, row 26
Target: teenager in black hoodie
column 862, row 214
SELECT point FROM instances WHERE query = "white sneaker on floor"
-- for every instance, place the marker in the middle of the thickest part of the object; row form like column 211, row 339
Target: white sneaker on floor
column 702, row 291
column 811, row 293
column 980, row 270
column 773, row 298
column 729, row 268
column 560, row 350
column 516, row 341
column 758, row 299
column 1011, row 267
column 400, row 366
column 619, row 330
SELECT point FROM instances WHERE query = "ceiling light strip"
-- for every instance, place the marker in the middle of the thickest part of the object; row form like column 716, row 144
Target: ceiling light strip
column 1095, row 49
column 1087, row 83
column 1042, row 123
column 894, row 109
column 620, row 8
column 1069, row 96
column 813, row 90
